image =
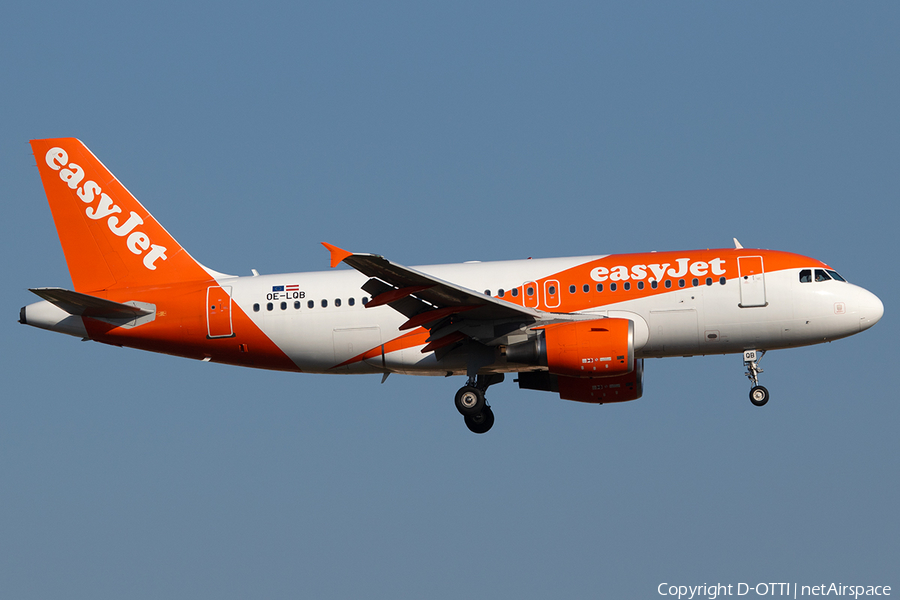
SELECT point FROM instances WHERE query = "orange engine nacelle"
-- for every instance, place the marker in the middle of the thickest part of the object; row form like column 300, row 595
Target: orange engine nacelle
column 595, row 348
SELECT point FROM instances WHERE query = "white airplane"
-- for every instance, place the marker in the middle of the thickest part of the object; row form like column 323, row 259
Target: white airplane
column 580, row 327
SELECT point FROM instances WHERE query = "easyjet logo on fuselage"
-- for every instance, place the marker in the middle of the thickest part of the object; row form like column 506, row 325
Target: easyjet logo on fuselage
column 682, row 267
column 136, row 241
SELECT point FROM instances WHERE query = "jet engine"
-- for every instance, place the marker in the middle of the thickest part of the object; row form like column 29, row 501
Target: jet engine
column 595, row 348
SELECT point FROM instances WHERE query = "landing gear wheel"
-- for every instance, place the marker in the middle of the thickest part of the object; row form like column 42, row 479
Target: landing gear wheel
column 759, row 395
column 469, row 401
column 481, row 423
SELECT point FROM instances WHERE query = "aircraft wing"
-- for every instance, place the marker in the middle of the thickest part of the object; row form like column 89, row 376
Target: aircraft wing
column 451, row 312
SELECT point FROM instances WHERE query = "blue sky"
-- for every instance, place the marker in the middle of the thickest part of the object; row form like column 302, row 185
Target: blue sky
column 428, row 134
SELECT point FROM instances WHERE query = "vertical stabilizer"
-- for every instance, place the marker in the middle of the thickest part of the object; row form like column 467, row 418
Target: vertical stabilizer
column 109, row 239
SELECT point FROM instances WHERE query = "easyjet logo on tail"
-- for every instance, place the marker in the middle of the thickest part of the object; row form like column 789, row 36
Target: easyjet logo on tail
column 136, row 241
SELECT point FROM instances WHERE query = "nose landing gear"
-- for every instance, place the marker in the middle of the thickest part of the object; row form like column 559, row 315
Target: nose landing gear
column 472, row 405
column 758, row 394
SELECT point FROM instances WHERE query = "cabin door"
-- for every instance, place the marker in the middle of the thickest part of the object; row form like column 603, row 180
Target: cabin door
column 218, row 312
column 752, row 280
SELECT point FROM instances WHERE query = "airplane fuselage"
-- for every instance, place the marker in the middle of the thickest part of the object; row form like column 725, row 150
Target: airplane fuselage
column 682, row 303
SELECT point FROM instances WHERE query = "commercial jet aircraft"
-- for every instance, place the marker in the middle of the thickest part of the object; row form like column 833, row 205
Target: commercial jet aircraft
column 580, row 327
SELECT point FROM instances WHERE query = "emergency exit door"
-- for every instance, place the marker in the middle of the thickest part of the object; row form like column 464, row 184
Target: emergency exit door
column 218, row 312
column 752, row 280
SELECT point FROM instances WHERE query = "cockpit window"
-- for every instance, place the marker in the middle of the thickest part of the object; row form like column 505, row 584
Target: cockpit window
column 806, row 276
column 821, row 275
column 834, row 275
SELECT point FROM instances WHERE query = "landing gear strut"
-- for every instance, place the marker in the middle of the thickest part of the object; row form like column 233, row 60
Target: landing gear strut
column 758, row 394
column 472, row 405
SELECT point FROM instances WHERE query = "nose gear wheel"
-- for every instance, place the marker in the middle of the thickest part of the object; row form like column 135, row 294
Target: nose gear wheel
column 759, row 395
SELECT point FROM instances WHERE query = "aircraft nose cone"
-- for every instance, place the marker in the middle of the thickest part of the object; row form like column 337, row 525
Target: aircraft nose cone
column 871, row 309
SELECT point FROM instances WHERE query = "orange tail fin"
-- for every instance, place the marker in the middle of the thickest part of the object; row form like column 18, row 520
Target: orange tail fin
column 109, row 239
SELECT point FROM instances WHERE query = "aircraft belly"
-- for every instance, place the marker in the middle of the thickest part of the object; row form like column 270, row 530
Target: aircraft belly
column 411, row 361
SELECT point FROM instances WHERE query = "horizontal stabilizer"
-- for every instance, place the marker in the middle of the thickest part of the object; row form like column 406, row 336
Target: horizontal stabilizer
column 83, row 305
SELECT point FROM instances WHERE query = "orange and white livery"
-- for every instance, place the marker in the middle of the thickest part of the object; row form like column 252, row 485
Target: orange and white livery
column 580, row 327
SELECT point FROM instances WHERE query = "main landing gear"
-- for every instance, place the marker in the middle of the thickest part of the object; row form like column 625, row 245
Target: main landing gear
column 758, row 394
column 472, row 405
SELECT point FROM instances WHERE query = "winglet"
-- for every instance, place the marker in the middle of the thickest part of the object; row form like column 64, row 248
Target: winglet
column 737, row 244
column 337, row 254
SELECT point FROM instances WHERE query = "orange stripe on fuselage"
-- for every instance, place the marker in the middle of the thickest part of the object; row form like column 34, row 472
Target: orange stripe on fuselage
column 418, row 337
column 635, row 269
column 180, row 329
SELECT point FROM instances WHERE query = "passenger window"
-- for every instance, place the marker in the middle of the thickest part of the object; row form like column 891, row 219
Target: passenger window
column 805, row 276
column 654, row 284
column 681, row 283
column 586, row 288
column 487, row 292
column 626, row 286
column 284, row 306
column 515, row 292
column 709, row 281
column 551, row 290
column 311, row 304
column 722, row 281
column 501, row 292
column 256, row 308
column 640, row 285
column 324, row 303
column 612, row 287
column 269, row 306
column 668, row 283
column 571, row 289
column 351, row 300
column 296, row 304
column 530, row 291
column 365, row 300
column 337, row 301
column 822, row 275
column 599, row 287
column 695, row 282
